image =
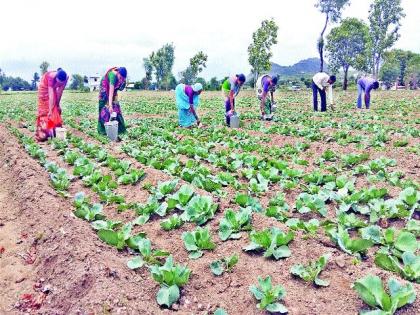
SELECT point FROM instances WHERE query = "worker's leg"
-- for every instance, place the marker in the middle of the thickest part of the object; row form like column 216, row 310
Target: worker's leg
column 323, row 100
column 227, row 108
column 359, row 96
column 315, row 96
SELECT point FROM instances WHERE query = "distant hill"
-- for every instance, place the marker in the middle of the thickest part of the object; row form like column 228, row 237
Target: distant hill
column 305, row 67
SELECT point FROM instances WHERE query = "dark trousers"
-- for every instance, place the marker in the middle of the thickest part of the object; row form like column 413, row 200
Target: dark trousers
column 315, row 91
column 228, row 108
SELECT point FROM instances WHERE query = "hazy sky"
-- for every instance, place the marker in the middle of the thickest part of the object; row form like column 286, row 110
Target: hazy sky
column 89, row 36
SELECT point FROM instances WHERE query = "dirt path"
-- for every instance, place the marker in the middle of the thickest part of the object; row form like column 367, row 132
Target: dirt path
column 68, row 270
column 15, row 275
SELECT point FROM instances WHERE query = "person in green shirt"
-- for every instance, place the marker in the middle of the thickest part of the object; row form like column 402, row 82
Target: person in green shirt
column 230, row 88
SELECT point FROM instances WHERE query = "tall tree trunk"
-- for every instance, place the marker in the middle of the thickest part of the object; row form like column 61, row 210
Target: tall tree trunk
column 321, row 44
column 345, row 83
column 255, row 79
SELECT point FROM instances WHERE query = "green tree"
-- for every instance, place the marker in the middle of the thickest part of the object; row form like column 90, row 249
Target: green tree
column 76, row 82
column 44, row 67
column 332, row 10
column 389, row 73
column 148, row 69
column 163, row 61
column 213, row 84
column 259, row 51
column 197, row 64
column 169, row 82
column 347, row 46
column 400, row 65
column 384, row 19
column 412, row 75
column 16, row 84
column 35, row 80
column 2, row 77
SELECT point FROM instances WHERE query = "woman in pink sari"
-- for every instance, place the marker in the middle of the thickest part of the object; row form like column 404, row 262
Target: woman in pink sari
column 50, row 90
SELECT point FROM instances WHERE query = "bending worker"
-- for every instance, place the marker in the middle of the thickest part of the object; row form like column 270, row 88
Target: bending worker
column 320, row 82
column 265, row 84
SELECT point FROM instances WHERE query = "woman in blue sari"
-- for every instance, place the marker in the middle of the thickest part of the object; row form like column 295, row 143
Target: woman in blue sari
column 187, row 99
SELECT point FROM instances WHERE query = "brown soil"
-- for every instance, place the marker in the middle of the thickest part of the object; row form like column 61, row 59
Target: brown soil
column 55, row 264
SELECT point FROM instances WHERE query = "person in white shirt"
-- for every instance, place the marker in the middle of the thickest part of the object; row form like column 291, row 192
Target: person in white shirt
column 320, row 82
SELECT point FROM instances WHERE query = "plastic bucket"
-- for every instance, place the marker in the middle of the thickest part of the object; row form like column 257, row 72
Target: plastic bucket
column 60, row 133
column 234, row 121
column 111, row 129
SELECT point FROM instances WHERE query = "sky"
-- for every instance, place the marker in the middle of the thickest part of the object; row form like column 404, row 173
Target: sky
column 89, row 36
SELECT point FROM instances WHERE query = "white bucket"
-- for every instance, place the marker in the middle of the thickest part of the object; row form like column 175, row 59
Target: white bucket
column 111, row 129
column 234, row 121
column 60, row 133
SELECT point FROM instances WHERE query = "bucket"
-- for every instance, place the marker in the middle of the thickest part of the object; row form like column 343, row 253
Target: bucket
column 60, row 133
column 234, row 121
column 111, row 129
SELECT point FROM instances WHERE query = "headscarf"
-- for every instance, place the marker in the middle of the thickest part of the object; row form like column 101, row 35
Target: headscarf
column 197, row 87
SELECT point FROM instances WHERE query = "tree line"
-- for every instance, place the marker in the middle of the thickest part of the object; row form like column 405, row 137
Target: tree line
column 351, row 44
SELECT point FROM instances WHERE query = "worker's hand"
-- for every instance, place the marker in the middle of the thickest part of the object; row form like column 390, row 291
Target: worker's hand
column 231, row 112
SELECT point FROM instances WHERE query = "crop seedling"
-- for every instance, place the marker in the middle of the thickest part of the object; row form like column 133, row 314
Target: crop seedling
column 307, row 203
column 372, row 292
column 234, row 222
column 269, row 296
column 181, row 198
column 85, row 210
column 272, row 241
column 164, row 189
column 246, row 201
column 118, row 238
column 218, row 267
column 353, row 246
column 310, row 272
column 132, row 177
column 408, row 266
column 172, row 223
column 200, row 209
column 171, row 277
column 147, row 255
column 310, row 227
column 197, row 241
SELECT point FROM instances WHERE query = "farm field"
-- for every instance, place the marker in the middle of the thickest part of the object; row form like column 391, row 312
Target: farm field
column 86, row 225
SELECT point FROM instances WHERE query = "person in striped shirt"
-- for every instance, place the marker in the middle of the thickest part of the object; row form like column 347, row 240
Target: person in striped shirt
column 320, row 82
column 365, row 85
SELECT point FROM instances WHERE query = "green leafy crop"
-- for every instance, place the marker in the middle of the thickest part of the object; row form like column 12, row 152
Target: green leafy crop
column 197, row 241
column 311, row 271
column 372, row 292
column 272, row 241
column 269, row 296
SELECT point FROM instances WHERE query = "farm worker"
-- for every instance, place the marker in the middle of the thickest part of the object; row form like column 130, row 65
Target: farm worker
column 265, row 84
column 230, row 89
column 365, row 85
column 109, row 107
column 50, row 90
column 320, row 82
column 187, row 99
